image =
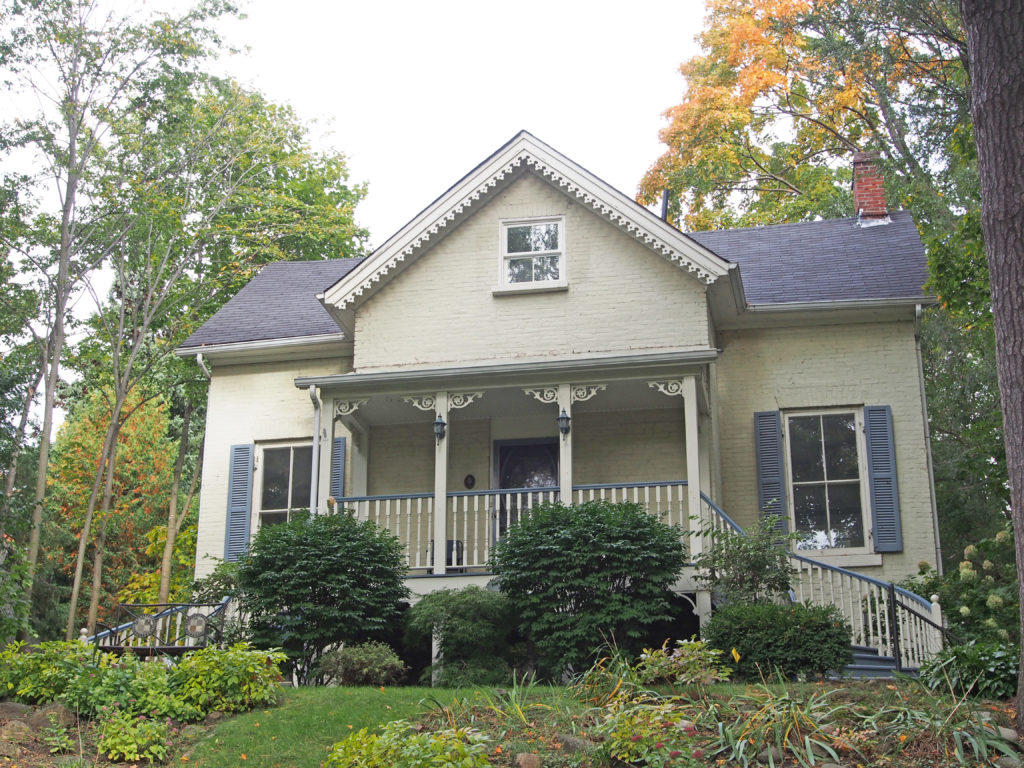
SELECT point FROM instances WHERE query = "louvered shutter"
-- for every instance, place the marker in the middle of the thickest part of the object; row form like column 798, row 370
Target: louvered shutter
column 338, row 467
column 771, row 466
column 239, row 501
column 884, row 491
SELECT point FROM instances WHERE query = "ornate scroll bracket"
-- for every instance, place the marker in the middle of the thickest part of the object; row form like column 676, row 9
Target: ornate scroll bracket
column 673, row 388
column 462, row 399
column 423, row 402
column 544, row 395
column 582, row 392
column 346, row 407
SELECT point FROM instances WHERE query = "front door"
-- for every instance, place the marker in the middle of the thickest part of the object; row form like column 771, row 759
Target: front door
column 521, row 465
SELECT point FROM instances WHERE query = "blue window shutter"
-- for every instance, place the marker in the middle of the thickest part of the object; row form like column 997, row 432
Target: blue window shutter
column 771, row 466
column 338, row 467
column 885, row 497
column 239, row 501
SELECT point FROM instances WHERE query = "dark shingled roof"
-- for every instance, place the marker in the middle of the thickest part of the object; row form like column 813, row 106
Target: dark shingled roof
column 832, row 260
column 279, row 303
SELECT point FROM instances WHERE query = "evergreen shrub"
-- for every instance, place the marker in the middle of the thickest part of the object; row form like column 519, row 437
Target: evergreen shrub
column 795, row 639
column 577, row 575
column 369, row 663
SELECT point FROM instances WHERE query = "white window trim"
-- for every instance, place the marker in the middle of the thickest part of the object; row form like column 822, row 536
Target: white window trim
column 852, row 556
column 257, row 486
column 541, row 286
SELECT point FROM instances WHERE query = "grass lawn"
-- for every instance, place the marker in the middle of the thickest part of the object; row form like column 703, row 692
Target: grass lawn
column 299, row 732
column 864, row 724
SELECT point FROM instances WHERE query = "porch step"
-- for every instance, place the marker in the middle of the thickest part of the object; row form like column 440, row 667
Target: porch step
column 868, row 663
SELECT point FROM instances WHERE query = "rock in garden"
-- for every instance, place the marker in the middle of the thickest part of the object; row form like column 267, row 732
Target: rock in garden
column 8, row 750
column 527, row 760
column 15, row 731
column 52, row 715
column 214, row 717
column 9, row 709
column 1008, row 761
column 770, row 755
column 1008, row 734
column 575, row 744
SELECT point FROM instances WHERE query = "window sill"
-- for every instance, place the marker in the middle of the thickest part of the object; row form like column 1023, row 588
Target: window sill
column 533, row 288
column 843, row 559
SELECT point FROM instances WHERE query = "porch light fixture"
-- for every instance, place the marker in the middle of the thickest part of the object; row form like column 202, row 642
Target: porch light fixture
column 439, row 427
column 563, row 422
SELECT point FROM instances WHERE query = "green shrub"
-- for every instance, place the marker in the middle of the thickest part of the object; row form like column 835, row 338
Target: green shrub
column 650, row 735
column 748, row 567
column 795, row 639
column 398, row 746
column 988, row 670
column 691, row 662
column 230, row 679
column 578, row 573
column 124, row 737
column 980, row 599
column 361, row 664
column 320, row 580
column 40, row 674
column 475, row 628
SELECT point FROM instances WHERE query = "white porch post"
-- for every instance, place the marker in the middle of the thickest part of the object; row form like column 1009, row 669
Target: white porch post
column 441, row 489
column 692, row 463
column 693, row 486
column 565, row 446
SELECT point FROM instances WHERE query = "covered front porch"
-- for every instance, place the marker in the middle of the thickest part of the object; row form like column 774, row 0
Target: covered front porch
column 463, row 460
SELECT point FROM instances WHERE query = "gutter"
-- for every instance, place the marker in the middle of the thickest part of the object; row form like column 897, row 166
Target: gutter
column 918, row 314
column 314, row 475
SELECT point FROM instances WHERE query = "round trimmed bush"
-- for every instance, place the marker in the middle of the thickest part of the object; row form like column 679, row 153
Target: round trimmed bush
column 793, row 639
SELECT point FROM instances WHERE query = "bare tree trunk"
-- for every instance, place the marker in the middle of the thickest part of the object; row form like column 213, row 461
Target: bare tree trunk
column 172, row 511
column 83, row 542
column 101, row 537
column 995, row 40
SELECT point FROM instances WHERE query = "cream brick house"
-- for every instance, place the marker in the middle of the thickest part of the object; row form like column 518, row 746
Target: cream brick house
column 535, row 334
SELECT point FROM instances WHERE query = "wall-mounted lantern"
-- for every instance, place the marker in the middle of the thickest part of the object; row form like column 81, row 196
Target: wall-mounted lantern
column 439, row 427
column 564, row 420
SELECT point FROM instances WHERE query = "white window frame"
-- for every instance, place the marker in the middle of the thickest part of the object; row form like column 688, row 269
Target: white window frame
column 507, row 287
column 862, row 476
column 257, row 496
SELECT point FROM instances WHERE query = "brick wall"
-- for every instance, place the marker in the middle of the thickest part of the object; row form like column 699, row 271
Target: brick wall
column 819, row 367
column 441, row 310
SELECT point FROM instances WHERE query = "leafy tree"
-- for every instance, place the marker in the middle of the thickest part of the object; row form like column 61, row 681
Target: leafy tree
column 785, row 92
column 995, row 37
column 749, row 567
column 474, row 628
column 320, row 580
column 138, row 487
column 968, row 454
column 577, row 573
column 75, row 72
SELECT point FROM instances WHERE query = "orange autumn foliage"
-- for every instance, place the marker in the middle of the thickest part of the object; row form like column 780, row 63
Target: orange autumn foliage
column 142, row 479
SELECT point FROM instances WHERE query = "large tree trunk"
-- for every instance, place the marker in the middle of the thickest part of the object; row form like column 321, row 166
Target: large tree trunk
column 995, row 39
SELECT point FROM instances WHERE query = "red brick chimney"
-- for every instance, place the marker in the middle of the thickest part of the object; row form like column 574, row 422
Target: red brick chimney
column 868, row 190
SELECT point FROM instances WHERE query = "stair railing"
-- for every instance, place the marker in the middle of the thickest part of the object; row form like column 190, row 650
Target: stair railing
column 910, row 630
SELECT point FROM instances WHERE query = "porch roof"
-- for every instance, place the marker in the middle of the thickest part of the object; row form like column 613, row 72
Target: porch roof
column 519, row 372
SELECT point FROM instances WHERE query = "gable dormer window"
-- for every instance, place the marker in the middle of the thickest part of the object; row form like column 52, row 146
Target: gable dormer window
column 533, row 254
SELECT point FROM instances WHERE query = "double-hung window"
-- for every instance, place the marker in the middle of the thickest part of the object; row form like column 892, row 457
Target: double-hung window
column 827, row 478
column 533, row 254
column 285, row 474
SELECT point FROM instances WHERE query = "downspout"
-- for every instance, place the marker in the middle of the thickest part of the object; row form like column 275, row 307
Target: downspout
column 918, row 314
column 314, row 481
column 202, row 366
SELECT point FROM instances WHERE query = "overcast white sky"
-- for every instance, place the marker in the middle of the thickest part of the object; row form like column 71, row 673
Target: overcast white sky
column 417, row 93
